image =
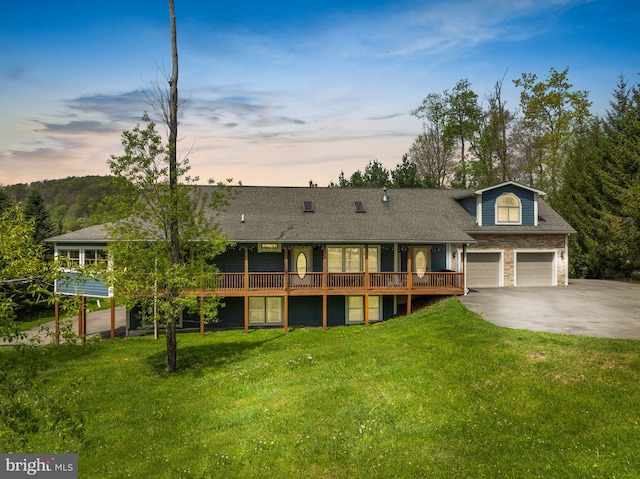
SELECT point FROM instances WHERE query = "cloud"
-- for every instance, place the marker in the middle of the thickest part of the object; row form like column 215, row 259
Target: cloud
column 80, row 127
column 16, row 74
column 127, row 106
column 435, row 28
column 240, row 109
column 386, row 117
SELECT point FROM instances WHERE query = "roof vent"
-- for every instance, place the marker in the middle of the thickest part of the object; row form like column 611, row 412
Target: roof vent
column 385, row 198
column 359, row 206
column 307, row 206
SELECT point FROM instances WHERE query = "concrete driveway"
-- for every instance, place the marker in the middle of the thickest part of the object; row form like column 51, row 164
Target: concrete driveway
column 98, row 323
column 607, row 309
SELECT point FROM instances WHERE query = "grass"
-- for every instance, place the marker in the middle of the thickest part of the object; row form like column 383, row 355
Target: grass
column 440, row 393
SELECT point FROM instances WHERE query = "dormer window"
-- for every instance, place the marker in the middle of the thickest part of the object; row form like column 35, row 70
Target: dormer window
column 508, row 210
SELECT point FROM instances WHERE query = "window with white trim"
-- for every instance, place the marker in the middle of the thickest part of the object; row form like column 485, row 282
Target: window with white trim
column 350, row 259
column 508, row 209
column 73, row 257
column 265, row 310
column 355, row 309
column 69, row 257
column 95, row 256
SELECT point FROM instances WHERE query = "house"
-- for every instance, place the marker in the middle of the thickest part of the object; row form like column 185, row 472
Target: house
column 335, row 256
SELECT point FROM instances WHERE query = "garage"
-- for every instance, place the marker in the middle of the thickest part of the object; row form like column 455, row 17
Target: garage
column 483, row 270
column 534, row 269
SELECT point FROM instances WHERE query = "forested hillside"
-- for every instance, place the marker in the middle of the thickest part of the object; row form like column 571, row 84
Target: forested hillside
column 72, row 203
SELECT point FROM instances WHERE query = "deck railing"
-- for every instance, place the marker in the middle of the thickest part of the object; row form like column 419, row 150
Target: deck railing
column 318, row 282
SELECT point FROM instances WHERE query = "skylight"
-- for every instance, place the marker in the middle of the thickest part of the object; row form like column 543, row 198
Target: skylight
column 359, row 206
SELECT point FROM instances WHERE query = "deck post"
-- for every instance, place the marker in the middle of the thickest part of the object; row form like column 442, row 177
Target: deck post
column 286, row 288
column 366, row 285
column 246, row 313
column 246, row 288
column 113, row 319
column 324, row 287
column 56, row 308
column 286, row 313
column 324, row 311
column 82, row 319
column 409, row 278
column 366, row 309
column 201, row 314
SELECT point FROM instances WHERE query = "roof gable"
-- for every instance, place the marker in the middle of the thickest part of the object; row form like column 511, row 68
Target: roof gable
column 510, row 183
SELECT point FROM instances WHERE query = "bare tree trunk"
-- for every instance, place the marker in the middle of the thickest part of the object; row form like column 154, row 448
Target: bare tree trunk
column 173, row 184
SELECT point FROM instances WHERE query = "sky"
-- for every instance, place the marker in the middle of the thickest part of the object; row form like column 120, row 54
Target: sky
column 281, row 92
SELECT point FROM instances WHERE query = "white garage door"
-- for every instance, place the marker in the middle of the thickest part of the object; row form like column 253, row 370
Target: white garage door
column 483, row 270
column 534, row 269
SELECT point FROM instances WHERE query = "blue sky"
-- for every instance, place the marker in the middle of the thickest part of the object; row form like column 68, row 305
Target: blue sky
column 280, row 92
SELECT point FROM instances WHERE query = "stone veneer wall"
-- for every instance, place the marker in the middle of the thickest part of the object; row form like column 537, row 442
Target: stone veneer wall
column 509, row 243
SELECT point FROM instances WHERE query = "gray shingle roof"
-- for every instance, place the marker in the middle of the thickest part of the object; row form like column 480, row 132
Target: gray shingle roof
column 92, row 234
column 411, row 215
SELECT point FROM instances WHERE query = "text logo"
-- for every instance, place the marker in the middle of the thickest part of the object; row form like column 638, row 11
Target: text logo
column 47, row 466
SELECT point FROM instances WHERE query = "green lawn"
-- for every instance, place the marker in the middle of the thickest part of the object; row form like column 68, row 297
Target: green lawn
column 440, row 393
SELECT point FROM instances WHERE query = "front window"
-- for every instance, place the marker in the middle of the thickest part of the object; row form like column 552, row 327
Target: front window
column 265, row 310
column 95, row 256
column 334, row 260
column 355, row 309
column 350, row 259
column 72, row 258
column 69, row 257
column 508, row 210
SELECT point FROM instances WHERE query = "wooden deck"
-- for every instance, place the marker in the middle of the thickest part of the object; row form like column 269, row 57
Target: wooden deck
column 313, row 284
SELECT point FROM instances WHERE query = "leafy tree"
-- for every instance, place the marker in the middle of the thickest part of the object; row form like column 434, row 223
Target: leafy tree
column 464, row 115
column 163, row 235
column 492, row 145
column 153, row 218
column 432, row 158
column 433, row 150
column 22, row 266
column 26, row 415
column 553, row 113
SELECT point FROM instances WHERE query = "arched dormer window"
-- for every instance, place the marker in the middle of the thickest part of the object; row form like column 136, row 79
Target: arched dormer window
column 508, row 210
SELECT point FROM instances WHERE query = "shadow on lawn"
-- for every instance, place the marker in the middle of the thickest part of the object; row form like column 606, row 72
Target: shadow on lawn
column 195, row 360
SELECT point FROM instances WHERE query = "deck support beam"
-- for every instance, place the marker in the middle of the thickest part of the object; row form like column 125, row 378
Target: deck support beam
column 324, row 287
column 286, row 289
column 201, row 314
column 82, row 319
column 366, row 285
column 246, row 289
column 56, row 308
column 113, row 319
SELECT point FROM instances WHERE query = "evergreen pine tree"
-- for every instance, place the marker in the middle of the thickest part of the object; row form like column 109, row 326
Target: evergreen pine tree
column 5, row 202
column 601, row 192
column 34, row 207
